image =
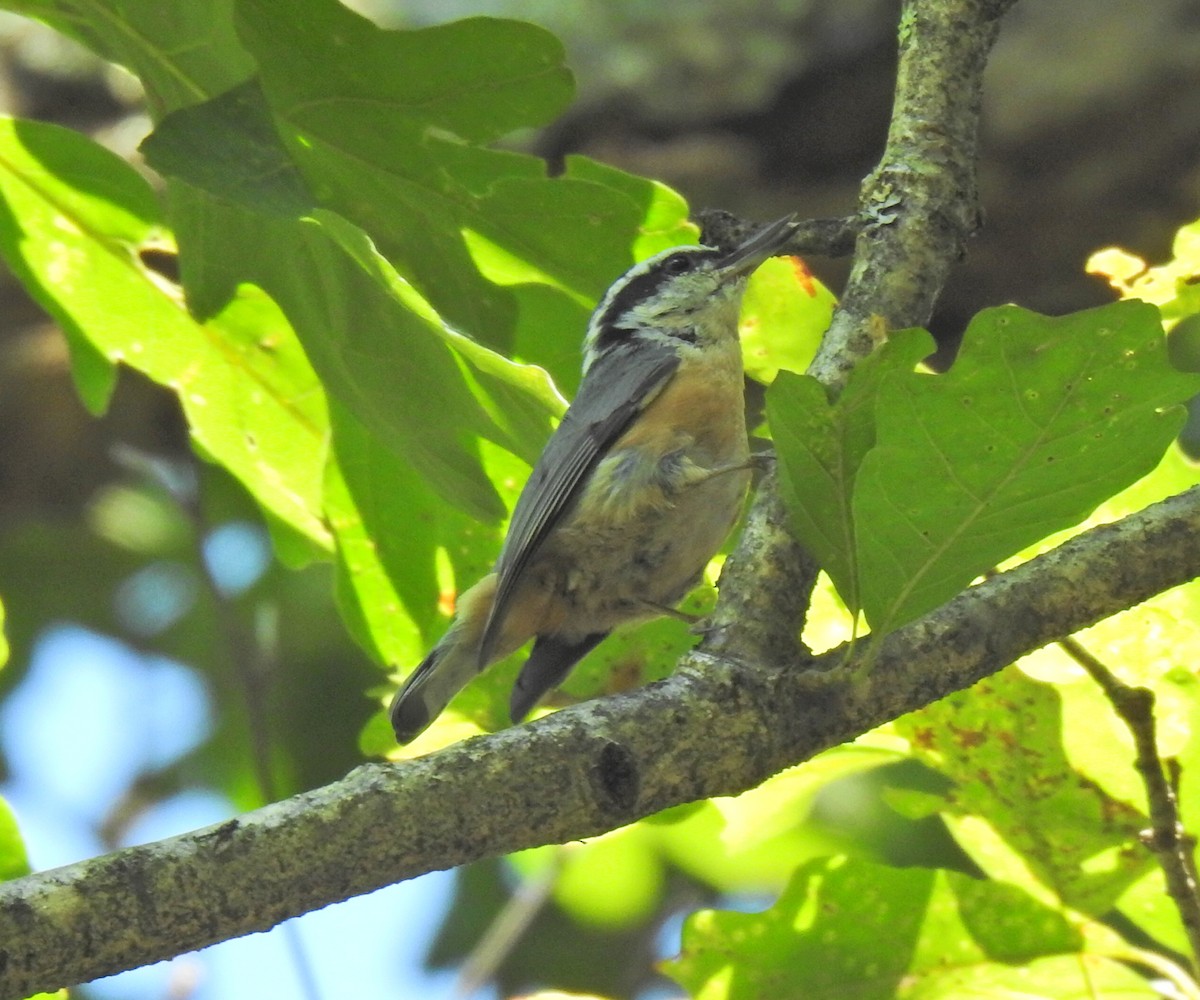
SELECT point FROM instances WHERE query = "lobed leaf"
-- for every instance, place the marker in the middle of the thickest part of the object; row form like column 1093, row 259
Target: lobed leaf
column 821, row 448
column 330, row 130
column 74, row 222
column 1039, row 420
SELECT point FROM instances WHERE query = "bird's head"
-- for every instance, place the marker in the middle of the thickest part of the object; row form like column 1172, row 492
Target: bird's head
column 683, row 296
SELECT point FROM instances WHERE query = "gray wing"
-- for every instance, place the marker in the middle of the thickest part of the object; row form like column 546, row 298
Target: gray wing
column 618, row 385
column 550, row 660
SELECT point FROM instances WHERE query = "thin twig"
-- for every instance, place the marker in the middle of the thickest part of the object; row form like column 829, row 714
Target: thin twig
column 812, row 237
column 250, row 662
column 1166, row 837
column 506, row 930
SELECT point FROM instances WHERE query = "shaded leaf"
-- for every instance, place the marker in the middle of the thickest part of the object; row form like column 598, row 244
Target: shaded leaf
column 821, row 448
column 182, row 52
column 303, row 141
column 228, row 147
column 1038, row 421
column 942, row 477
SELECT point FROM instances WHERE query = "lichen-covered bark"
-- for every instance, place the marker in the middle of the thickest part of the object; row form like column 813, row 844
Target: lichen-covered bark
column 716, row 727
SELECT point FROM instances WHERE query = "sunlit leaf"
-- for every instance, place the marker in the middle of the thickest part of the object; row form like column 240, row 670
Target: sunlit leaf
column 846, row 930
column 397, row 153
column 302, row 141
column 13, row 860
column 785, row 312
column 1170, row 286
column 612, row 881
column 1017, row 807
column 80, row 220
column 784, row 801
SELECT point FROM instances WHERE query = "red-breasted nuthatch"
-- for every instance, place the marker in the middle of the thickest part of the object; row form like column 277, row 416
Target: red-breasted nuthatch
column 634, row 492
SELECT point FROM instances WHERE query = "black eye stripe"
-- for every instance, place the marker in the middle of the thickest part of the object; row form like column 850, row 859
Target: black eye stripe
column 607, row 336
column 641, row 284
column 641, row 287
column 638, row 289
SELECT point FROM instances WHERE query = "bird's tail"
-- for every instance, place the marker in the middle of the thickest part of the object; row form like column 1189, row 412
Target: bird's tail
column 454, row 661
column 448, row 668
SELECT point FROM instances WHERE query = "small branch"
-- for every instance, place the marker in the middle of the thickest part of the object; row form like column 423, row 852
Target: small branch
column 813, row 237
column 1166, row 837
column 921, row 201
column 916, row 212
column 506, row 930
column 574, row 774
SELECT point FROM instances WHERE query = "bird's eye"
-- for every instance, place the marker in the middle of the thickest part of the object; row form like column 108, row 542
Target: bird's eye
column 676, row 264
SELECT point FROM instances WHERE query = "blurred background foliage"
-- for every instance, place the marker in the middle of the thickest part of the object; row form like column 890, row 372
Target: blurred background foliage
column 1091, row 137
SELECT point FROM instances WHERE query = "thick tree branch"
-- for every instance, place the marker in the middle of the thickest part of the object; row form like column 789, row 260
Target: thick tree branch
column 922, row 197
column 717, row 727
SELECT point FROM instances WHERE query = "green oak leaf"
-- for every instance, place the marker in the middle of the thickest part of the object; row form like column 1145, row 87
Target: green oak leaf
column 1017, row 806
column 821, row 448
column 75, row 221
column 853, row 930
column 908, row 496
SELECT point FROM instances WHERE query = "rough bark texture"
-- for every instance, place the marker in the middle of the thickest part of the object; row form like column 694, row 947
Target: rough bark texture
column 717, row 727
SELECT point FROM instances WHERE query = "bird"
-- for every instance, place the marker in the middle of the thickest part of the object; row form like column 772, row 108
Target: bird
column 635, row 491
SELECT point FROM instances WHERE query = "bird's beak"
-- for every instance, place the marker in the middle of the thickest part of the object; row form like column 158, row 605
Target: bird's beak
column 767, row 242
